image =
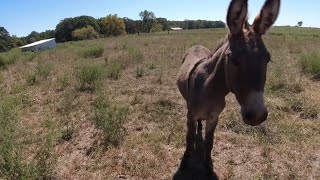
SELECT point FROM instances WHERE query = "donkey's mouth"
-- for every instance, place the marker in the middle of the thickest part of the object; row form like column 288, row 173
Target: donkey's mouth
column 252, row 123
column 253, row 119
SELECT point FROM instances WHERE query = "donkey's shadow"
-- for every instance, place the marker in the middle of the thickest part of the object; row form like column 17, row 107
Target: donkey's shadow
column 193, row 168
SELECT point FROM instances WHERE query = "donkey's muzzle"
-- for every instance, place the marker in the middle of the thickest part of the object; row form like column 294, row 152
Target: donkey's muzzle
column 254, row 118
column 254, row 111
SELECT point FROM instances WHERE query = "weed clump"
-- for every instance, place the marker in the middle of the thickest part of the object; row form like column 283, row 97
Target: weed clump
column 114, row 68
column 139, row 72
column 110, row 119
column 89, row 77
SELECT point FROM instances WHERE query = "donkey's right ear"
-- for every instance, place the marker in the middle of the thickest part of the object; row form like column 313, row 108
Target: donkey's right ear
column 237, row 16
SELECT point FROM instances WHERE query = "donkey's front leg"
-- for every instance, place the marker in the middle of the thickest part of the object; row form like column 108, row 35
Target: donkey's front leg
column 211, row 124
column 191, row 134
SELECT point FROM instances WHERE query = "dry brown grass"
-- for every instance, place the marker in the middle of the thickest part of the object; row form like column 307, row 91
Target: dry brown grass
column 285, row 147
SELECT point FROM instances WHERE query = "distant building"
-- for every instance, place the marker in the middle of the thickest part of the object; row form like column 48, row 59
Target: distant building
column 40, row 45
column 176, row 29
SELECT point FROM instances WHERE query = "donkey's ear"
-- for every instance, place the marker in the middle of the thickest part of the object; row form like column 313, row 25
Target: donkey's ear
column 237, row 15
column 268, row 15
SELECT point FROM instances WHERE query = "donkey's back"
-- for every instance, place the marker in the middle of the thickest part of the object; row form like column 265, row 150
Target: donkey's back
column 192, row 58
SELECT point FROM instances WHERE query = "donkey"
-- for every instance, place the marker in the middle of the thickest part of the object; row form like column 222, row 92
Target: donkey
column 239, row 65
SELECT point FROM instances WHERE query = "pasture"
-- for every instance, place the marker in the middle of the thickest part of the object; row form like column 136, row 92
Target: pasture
column 110, row 109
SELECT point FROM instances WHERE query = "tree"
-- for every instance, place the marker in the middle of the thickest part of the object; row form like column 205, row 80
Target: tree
column 112, row 26
column 164, row 22
column 65, row 28
column 33, row 37
column 4, row 34
column 300, row 23
column 47, row 34
column 5, row 40
column 148, row 20
column 84, row 33
column 157, row 28
column 132, row 26
column 16, row 41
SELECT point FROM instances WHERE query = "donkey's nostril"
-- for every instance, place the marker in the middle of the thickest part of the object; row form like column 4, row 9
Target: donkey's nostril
column 249, row 115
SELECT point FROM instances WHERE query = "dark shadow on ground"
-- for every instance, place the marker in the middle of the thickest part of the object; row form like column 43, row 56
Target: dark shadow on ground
column 193, row 168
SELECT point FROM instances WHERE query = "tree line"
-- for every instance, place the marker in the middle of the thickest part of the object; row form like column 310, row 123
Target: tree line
column 87, row 27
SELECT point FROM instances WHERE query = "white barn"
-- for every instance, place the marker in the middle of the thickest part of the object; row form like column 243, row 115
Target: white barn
column 176, row 29
column 40, row 45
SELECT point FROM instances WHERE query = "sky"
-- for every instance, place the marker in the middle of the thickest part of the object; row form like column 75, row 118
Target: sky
column 20, row 17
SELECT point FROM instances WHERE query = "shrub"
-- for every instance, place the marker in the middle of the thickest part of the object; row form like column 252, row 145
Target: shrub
column 139, row 72
column 110, row 120
column 310, row 63
column 89, row 76
column 93, row 52
column 84, row 33
column 114, row 69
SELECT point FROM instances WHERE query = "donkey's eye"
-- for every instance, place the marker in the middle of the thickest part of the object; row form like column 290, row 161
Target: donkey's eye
column 231, row 57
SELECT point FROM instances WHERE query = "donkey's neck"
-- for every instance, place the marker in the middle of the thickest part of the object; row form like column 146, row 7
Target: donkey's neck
column 216, row 82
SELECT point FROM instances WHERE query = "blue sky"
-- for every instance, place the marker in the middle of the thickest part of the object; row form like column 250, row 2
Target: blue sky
column 20, row 17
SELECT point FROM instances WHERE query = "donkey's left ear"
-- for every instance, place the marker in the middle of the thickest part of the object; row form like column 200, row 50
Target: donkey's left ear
column 268, row 15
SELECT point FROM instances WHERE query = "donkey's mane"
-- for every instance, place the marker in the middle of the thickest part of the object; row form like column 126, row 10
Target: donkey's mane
column 221, row 43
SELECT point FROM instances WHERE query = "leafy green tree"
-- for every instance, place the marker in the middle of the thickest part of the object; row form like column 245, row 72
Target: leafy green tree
column 4, row 34
column 164, row 23
column 17, row 42
column 132, row 26
column 112, row 26
column 148, row 20
column 33, row 37
column 198, row 24
column 84, row 33
column 157, row 28
column 48, row 34
column 5, row 40
column 65, row 28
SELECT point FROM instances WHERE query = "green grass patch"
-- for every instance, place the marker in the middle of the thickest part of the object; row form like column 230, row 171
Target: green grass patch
column 310, row 63
column 31, row 79
column 10, row 57
column 63, row 81
column 93, row 52
column 13, row 164
column 29, row 56
column 44, row 69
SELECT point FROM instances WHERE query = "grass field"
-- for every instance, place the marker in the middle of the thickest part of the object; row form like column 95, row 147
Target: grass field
column 110, row 109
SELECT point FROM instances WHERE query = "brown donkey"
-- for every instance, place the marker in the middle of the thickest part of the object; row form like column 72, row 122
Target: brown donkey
column 238, row 65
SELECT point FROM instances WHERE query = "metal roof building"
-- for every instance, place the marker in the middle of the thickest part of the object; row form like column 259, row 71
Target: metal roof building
column 176, row 29
column 40, row 45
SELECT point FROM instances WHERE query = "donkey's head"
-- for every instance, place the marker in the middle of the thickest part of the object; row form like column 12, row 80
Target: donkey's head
column 247, row 57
